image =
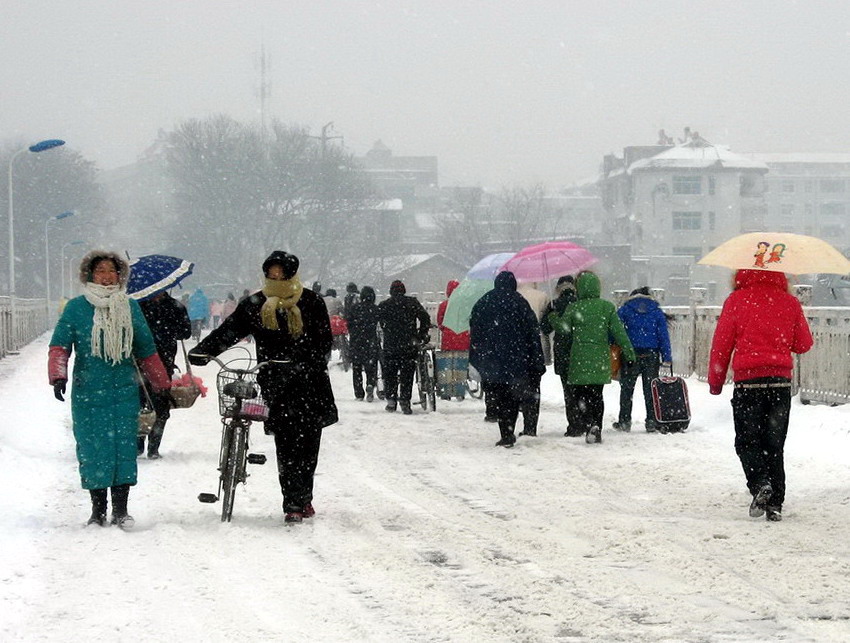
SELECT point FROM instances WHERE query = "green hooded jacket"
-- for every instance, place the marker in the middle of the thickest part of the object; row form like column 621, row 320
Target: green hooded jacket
column 593, row 324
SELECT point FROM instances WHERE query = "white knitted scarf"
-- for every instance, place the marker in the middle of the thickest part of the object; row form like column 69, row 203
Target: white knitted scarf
column 112, row 330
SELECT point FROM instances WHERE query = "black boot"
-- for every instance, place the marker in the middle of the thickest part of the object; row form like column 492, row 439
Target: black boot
column 508, row 437
column 155, row 439
column 120, row 517
column 140, row 446
column 98, row 507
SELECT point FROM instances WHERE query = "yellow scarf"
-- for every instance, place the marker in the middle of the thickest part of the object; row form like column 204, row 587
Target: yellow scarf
column 283, row 295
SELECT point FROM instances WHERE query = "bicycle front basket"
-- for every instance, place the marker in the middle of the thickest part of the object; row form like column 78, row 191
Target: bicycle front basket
column 253, row 406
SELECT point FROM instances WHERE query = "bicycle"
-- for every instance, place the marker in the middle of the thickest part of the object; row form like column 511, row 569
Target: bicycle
column 426, row 376
column 239, row 403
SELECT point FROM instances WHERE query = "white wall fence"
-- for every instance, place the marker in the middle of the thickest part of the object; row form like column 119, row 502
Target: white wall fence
column 821, row 375
column 28, row 322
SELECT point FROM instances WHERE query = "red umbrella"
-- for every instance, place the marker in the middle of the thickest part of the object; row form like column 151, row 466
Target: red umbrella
column 549, row 260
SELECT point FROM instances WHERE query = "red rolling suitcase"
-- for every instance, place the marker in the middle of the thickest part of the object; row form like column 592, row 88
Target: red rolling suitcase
column 670, row 403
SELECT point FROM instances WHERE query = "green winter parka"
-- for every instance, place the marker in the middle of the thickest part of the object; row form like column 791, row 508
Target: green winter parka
column 592, row 323
column 104, row 397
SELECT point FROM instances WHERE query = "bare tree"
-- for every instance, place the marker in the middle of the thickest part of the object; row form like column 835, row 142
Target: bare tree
column 465, row 231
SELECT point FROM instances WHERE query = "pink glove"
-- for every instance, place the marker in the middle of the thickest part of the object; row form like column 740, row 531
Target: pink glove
column 155, row 372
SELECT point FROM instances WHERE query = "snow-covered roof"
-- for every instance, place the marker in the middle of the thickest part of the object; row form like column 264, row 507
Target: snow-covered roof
column 399, row 263
column 801, row 157
column 697, row 155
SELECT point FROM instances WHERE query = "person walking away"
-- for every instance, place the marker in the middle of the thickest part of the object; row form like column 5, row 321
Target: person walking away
column 590, row 322
column 107, row 331
column 338, row 329
column 198, row 308
column 530, row 407
column 453, row 359
column 168, row 320
column 505, row 349
column 565, row 292
column 290, row 324
column 646, row 326
column 229, row 305
column 364, row 345
column 352, row 296
column 760, row 325
column 216, row 309
column 405, row 324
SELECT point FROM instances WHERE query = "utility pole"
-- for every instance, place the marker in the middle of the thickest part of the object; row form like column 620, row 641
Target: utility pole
column 264, row 90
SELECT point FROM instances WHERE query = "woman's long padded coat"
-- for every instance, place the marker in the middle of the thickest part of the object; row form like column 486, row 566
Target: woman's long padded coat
column 300, row 399
column 104, row 397
column 591, row 322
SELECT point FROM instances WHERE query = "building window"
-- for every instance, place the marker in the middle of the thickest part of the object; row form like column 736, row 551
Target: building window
column 832, row 209
column 688, row 251
column 711, row 220
column 809, row 209
column 786, row 219
column 687, row 220
column 712, row 185
column 809, row 186
column 832, row 185
column 687, row 185
column 788, row 186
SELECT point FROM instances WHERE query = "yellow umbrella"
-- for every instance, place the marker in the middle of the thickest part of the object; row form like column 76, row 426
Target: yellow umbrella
column 795, row 254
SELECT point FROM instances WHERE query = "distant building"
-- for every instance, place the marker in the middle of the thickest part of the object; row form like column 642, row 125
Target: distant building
column 680, row 201
column 809, row 193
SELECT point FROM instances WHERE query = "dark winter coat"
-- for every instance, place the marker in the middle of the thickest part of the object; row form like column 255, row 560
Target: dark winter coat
column 349, row 302
column 405, row 323
column 763, row 324
column 169, row 322
column 562, row 343
column 363, row 319
column 646, row 325
column 504, row 335
column 302, row 398
column 593, row 323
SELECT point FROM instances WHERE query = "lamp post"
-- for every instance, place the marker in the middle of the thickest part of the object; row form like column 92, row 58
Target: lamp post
column 62, row 258
column 41, row 146
column 58, row 217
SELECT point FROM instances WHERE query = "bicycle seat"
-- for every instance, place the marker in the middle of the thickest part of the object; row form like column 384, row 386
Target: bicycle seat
column 240, row 389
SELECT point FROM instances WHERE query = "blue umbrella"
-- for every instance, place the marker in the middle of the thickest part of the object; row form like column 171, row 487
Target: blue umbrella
column 489, row 266
column 152, row 274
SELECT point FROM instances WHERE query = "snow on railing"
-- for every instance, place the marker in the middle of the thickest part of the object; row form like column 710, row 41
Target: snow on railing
column 28, row 322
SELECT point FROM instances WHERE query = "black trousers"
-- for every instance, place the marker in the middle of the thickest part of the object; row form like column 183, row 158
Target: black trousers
column 297, row 451
column 504, row 402
column 398, row 376
column 529, row 406
column 646, row 367
column 590, row 406
column 573, row 419
column 761, row 425
column 370, row 368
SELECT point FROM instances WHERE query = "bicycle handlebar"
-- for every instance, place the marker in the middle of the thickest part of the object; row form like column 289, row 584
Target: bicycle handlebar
column 244, row 371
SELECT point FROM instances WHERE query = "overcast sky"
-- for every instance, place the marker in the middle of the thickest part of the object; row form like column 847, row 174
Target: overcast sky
column 503, row 92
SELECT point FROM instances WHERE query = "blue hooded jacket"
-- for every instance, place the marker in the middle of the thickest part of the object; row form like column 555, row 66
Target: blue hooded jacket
column 646, row 325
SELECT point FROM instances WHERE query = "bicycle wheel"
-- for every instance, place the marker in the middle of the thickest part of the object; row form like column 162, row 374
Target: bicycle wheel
column 422, row 380
column 234, row 468
column 431, row 383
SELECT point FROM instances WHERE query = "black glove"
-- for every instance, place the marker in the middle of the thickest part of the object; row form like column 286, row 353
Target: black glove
column 59, row 389
column 197, row 359
column 424, row 339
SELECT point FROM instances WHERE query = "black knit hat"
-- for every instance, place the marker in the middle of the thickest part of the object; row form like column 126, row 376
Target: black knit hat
column 288, row 262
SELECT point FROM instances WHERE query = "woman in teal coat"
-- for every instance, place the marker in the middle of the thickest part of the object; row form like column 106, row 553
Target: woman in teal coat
column 107, row 331
column 592, row 323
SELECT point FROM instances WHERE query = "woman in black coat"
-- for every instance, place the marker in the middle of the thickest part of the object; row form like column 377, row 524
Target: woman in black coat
column 289, row 323
column 364, row 345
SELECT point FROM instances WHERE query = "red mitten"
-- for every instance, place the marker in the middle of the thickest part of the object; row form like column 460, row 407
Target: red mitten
column 57, row 364
column 155, row 372
column 716, row 389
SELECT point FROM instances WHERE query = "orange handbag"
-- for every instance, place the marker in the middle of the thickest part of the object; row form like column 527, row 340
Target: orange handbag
column 616, row 360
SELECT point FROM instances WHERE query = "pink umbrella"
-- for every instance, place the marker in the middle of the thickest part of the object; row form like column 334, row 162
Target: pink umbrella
column 549, row 260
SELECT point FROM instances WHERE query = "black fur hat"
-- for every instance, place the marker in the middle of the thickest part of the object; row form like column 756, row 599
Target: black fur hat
column 288, row 262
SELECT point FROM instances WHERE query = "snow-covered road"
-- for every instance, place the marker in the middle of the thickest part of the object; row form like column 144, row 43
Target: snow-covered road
column 427, row 532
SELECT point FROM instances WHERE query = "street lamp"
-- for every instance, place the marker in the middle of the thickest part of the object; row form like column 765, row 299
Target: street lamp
column 41, row 146
column 65, row 245
column 58, row 217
